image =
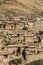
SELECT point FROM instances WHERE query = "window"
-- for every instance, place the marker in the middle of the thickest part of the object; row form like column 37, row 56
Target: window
column 0, row 25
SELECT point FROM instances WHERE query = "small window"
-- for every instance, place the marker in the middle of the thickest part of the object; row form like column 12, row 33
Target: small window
column 4, row 26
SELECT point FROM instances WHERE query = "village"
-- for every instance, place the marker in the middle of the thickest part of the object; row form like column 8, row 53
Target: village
column 21, row 38
column 21, row 32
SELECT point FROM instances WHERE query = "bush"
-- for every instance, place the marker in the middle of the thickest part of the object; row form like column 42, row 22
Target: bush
column 38, row 62
column 25, row 28
column 19, row 60
column 7, row 43
column 15, row 61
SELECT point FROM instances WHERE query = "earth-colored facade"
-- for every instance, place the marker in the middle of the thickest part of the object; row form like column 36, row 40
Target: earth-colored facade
column 20, row 30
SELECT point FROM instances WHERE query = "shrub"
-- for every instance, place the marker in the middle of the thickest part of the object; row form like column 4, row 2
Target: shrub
column 7, row 43
column 15, row 61
column 38, row 62
column 25, row 28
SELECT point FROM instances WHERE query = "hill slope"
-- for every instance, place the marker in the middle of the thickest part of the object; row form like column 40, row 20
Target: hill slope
column 22, row 6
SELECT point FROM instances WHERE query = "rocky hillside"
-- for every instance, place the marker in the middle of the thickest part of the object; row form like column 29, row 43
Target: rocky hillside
column 21, row 6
